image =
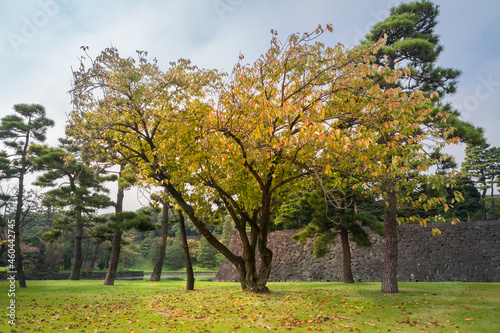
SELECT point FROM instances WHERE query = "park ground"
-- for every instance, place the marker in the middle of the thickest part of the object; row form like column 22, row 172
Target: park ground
column 144, row 306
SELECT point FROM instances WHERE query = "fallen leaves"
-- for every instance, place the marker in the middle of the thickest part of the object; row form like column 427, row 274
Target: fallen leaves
column 214, row 307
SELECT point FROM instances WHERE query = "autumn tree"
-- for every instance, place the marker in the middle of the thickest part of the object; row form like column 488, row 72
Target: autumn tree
column 301, row 108
column 76, row 187
column 18, row 131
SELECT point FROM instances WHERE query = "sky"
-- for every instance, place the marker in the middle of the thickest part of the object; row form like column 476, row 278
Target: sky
column 41, row 40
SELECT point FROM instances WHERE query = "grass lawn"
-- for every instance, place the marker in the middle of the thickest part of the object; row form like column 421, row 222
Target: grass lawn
column 144, row 306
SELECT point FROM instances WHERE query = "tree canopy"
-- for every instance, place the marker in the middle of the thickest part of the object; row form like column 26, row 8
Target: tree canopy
column 244, row 139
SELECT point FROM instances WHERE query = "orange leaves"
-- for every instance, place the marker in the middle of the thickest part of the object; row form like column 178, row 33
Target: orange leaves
column 391, row 79
column 434, row 94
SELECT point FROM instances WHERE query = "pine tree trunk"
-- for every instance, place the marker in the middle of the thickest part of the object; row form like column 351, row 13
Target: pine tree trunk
column 117, row 239
column 389, row 277
column 77, row 250
column 109, row 280
column 156, row 274
column 17, row 219
column 346, row 256
column 185, row 251
column 493, row 204
column 483, row 206
column 18, row 255
column 17, row 231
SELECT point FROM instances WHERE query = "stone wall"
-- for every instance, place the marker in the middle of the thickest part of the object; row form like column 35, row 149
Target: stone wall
column 463, row 252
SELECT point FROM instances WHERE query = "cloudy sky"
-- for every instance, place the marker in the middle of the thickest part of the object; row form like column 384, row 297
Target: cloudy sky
column 41, row 40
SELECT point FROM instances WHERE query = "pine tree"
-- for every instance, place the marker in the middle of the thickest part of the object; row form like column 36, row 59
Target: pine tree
column 17, row 132
column 482, row 165
column 472, row 199
column 173, row 253
column 413, row 47
column 338, row 214
column 295, row 213
column 207, row 255
column 160, row 253
column 117, row 224
column 76, row 187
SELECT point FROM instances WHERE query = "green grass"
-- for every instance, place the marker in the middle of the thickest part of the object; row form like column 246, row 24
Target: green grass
column 143, row 306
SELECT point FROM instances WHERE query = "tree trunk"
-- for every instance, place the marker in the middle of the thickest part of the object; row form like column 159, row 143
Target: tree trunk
column 266, row 254
column 256, row 281
column 244, row 265
column 77, row 250
column 17, row 230
column 117, row 239
column 493, row 204
column 156, row 274
column 185, row 250
column 109, row 280
column 18, row 254
column 483, row 206
column 346, row 256
column 389, row 277
column 236, row 260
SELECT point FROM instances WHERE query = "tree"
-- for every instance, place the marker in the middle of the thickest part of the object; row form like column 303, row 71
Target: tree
column 174, row 255
column 185, row 252
column 302, row 108
column 160, row 258
column 119, row 222
column 413, row 47
column 335, row 214
column 494, row 176
column 122, row 221
column 76, row 187
column 472, row 199
column 482, row 165
column 295, row 213
column 17, row 132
